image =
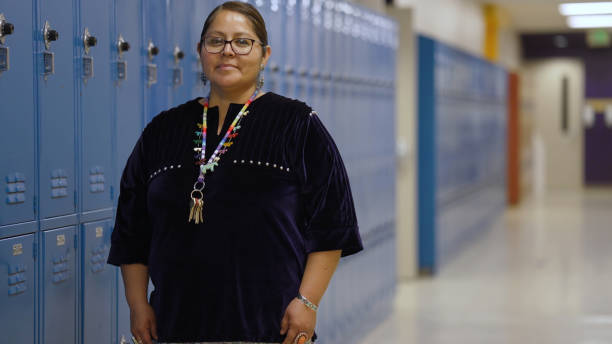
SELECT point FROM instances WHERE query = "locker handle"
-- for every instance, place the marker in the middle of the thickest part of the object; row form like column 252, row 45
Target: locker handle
column 124, row 46
column 7, row 29
column 49, row 35
column 52, row 35
column 91, row 41
column 178, row 54
column 152, row 50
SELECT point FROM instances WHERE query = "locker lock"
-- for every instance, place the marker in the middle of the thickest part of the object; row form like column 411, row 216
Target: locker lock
column 122, row 46
column 274, row 67
column 89, row 40
column 152, row 50
column 178, row 54
column 6, row 28
column 289, row 70
column 49, row 35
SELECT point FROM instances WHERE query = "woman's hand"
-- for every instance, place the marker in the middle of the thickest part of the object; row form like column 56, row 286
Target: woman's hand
column 142, row 323
column 298, row 318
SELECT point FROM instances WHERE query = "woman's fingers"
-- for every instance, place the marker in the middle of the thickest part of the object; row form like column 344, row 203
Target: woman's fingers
column 284, row 324
column 143, row 336
column 153, row 329
column 290, row 336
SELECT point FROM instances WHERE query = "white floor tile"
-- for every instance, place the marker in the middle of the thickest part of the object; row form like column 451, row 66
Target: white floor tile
column 542, row 274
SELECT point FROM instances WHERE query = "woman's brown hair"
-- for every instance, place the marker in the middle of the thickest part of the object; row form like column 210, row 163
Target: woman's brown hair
column 252, row 14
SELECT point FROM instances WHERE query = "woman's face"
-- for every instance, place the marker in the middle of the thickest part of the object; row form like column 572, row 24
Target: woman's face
column 227, row 70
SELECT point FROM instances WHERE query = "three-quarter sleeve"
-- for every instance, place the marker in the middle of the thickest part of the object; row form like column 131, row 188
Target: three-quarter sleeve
column 330, row 219
column 131, row 237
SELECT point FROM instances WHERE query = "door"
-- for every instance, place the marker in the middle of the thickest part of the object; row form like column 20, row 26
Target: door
column 94, row 62
column 56, row 103
column 59, row 293
column 17, row 293
column 558, row 100
column 97, row 284
column 17, row 125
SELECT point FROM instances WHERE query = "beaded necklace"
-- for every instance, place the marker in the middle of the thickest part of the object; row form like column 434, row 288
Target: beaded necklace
column 197, row 194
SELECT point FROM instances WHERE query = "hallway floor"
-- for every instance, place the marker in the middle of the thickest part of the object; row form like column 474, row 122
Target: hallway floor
column 542, row 274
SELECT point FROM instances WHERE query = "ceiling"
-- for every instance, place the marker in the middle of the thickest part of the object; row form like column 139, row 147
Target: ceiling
column 533, row 15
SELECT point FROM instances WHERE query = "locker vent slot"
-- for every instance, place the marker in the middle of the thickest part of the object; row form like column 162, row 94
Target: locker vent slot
column 59, row 184
column 15, row 188
column 96, row 179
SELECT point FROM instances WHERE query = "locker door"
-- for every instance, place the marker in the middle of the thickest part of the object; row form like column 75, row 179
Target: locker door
column 17, row 293
column 59, row 286
column 304, row 47
column 201, row 11
column 183, row 39
column 129, row 119
column 94, row 47
column 290, row 46
column 273, row 17
column 157, row 56
column 17, row 126
column 97, row 283
column 57, row 151
column 317, row 50
column 123, row 312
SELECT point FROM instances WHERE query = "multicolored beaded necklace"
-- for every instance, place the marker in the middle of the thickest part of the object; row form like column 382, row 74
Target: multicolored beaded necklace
column 197, row 194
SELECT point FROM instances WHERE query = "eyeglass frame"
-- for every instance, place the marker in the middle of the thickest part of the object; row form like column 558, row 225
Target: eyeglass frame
column 203, row 40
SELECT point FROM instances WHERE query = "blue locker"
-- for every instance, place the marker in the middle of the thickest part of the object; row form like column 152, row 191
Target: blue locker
column 17, row 292
column 17, row 116
column 97, row 283
column 273, row 16
column 129, row 84
column 182, row 44
column 59, row 287
column 124, row 333
column 304, row 48
column 157, row 57
column 317, row 32
column 56, row 109
column 94, row 75
column 202, row 10
column 290, row 46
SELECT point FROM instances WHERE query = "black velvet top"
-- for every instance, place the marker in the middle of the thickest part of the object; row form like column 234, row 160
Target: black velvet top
column 279, row 193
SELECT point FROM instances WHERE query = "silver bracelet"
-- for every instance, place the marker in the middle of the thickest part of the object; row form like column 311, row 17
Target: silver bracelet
column 307, row 302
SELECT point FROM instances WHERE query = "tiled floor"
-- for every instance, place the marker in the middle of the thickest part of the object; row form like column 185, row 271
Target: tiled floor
column 542, row 274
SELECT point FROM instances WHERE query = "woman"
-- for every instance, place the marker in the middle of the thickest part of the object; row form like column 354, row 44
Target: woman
column 237, row 205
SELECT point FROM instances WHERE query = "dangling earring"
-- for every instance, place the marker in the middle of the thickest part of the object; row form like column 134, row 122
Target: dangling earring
column 203, row 78
column 260, row 83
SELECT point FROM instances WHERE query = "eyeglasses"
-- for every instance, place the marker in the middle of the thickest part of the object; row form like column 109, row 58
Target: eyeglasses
column 240, row 46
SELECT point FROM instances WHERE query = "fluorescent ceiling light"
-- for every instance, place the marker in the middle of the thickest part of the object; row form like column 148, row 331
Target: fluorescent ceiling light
column 583, row 8
column 586, row 22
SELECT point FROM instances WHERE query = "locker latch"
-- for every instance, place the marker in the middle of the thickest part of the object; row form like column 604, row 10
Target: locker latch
column 6, row 29
column 122, row 47
column 88, row 65
column 151, row 69
column 177, row 71
column 49, row 35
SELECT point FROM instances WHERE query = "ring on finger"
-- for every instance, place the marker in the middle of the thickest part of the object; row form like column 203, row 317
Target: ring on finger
column 300, row 336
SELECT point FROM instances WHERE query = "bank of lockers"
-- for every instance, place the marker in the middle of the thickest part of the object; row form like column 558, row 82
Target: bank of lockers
column 79, row 80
